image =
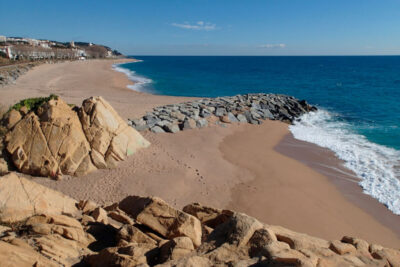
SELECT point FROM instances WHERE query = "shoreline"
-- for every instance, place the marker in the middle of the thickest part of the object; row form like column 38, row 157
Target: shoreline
column 183, row 160
column 325, row 162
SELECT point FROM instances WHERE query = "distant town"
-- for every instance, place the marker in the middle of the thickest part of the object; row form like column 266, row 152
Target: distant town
column 28, row 49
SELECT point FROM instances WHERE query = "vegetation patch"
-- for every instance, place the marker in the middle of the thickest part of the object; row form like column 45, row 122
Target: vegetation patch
column 33, row 103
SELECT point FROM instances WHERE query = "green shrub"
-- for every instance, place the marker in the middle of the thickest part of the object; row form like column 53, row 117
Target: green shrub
column 33, row 103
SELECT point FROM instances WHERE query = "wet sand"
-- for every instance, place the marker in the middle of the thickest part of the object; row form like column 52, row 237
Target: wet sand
column 235, row 167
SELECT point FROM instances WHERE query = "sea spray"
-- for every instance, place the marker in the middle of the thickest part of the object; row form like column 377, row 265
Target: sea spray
column 375, row 165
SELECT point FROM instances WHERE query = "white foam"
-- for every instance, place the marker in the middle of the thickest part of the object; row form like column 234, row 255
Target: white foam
column 139, row 81
column 374, row 164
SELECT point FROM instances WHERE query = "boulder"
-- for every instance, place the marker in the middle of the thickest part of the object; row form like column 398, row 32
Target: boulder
column 172, row 128
column 120, row 216
column 21, row 198
column 232, row 117
column 189, row 124
column 157, row 129
column 131, row 234
column 100, row 215
column 220, row 112
column 87, row 206
column 201, row 123
column 108, row 134
column 162, row 218
column 207, row 215
column 50, row 142
column 176, row 248
column 242, row 118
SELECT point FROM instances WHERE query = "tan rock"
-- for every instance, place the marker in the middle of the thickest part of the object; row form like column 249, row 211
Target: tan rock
column 131, row 255
column 87, row 206
column 176, row 248
column 100, row 215
column 260, row 239
column 208, row 215
column 359, row 244
column 3, row 167
column 29, row 150
column 194, row 261
column 86, row 219
column 21, row 198
column 225, row 119
column 50, row 142
column 162, row 218
column 24, row 110
column 12, row 118
column 281, row 253
column 61, row 250
column 237, row 230
column 108, row 134
column 131, row 234
column 4, row 230
column 120, row 216
column 53, row 140
column 341, row 248
column 65, row 138
column 298, row 240
column 392, row 256
column 20, row 256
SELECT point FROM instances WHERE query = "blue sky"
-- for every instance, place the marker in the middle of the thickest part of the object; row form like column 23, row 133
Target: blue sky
column 213, row 27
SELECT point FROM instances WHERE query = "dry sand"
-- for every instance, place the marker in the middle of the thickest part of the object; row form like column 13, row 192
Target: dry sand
column 236, row 167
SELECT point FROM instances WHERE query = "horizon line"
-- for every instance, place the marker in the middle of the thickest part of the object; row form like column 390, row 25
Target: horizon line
column 355, row 55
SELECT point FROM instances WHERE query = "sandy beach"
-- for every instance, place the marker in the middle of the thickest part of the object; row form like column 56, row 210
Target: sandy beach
column 258, row 170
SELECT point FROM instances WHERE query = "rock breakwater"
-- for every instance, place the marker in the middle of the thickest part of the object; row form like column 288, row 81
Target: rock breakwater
column 41, row 227
column 249, row 108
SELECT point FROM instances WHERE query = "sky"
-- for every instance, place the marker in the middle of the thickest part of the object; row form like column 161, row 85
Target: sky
column 213, row 27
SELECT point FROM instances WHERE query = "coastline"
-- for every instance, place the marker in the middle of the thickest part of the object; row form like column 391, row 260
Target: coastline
column 325, row 162
column 198, row 163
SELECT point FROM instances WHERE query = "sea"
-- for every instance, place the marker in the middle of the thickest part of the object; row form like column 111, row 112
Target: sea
column 358, row 100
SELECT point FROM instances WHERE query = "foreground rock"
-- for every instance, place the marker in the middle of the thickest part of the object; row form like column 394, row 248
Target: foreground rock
column 146, row 231
column 249, row 108
column 52, row 138
column 21, row 198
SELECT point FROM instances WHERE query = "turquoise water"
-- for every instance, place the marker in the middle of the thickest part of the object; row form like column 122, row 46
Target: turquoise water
column 358, row 97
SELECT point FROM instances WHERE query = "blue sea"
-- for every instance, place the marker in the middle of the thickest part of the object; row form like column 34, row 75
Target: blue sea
column 358, row 99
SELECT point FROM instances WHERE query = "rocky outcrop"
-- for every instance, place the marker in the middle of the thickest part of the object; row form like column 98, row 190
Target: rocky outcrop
column 54, row 138
column 110, row 138
column 146, row 231
column 249, row 108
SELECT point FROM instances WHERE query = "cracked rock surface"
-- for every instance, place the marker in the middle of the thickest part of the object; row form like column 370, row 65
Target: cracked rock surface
column 57, row 139
column 41, row 227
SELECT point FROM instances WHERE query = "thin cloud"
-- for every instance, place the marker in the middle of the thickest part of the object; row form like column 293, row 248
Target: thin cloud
column 272, row 46
column 200, row 25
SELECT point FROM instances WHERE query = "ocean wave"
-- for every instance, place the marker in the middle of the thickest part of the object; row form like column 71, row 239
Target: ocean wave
column 377, row 166
column 138, row 81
